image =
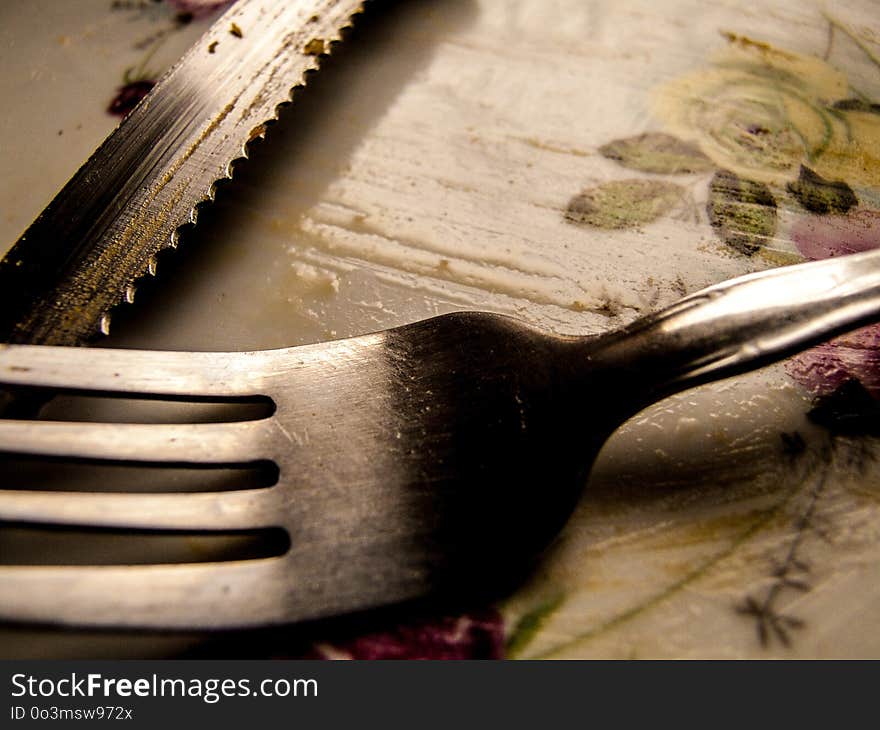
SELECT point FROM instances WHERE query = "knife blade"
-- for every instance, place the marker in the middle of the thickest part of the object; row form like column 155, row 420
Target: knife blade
column 85, row 252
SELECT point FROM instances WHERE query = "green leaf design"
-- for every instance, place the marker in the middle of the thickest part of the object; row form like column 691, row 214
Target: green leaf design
column 742, row 212
column 529, row 625
column 623, row 203
column 856, row 105
column 657, row 152
column 819, row 195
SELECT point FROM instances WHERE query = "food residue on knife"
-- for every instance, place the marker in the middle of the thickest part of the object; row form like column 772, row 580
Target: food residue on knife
column 314, row 47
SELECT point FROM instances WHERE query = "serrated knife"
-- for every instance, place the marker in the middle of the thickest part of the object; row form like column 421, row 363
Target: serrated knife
column 85, row 252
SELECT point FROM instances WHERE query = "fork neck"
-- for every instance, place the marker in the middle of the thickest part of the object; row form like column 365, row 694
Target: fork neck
column 739, row 325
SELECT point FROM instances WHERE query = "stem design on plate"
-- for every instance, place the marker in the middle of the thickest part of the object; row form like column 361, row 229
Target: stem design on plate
column 850, row 417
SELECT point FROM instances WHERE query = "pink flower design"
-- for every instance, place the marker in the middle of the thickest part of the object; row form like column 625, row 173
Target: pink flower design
column 856, row 355
column 825, row 236
column 199, row 8
column 478, row 635
column 128, row 96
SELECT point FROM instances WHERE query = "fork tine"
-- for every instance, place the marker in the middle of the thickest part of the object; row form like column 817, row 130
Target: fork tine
column 132, row 371
column 240, row 510
column 204, row 595
column 199, row 443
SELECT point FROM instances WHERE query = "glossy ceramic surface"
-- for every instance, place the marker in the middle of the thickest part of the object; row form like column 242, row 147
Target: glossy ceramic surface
column 577, row 165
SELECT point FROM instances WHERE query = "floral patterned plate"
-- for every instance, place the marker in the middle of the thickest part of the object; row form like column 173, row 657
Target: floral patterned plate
column 574, row 164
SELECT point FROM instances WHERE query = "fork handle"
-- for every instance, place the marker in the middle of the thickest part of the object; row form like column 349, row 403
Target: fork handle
column 744, row 323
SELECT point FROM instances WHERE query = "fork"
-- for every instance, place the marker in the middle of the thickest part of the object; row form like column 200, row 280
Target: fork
column 436, row 459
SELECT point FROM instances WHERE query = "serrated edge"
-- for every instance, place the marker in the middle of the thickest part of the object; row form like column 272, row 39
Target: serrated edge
column 257, row 133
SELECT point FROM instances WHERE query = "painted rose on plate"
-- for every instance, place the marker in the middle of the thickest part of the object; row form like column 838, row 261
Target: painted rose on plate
column 762, row 112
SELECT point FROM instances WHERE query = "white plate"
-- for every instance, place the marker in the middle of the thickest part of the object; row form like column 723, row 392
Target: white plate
column 430, row 170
